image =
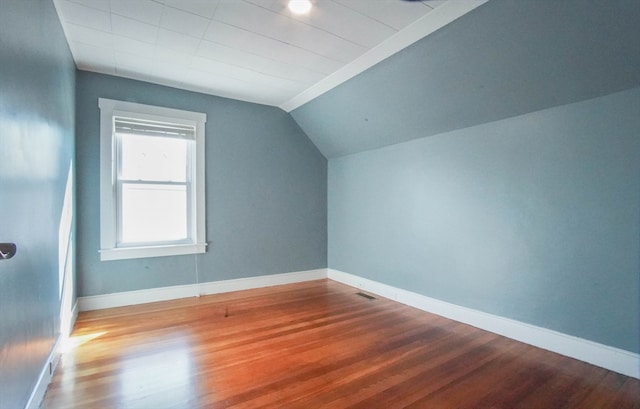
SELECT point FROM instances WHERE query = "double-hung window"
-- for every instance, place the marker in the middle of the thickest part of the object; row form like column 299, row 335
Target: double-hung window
column 151, row 181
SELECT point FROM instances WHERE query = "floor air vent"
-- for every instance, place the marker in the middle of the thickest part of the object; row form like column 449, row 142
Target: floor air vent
column 367, row 296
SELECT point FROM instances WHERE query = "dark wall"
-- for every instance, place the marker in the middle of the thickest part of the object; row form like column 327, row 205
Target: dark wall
column 37, row 91
column 265, row 183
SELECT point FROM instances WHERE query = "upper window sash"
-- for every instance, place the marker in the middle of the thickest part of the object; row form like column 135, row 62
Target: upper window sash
column 135, row 126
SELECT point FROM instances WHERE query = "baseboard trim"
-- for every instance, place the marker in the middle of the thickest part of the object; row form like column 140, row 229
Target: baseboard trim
column 217, row 287
column 39, row 390
column 614, row 359
column 98, row 302
column 50, row 365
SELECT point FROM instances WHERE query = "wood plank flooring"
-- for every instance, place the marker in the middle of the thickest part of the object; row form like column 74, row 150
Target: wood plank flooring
column 313, row 345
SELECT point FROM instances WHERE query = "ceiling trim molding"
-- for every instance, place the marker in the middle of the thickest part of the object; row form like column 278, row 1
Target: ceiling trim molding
column 429, row 23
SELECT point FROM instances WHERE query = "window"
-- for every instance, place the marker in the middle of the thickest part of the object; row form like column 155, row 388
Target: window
column 151, row 181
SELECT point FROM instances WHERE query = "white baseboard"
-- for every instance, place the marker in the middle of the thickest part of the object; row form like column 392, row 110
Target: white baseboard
column 98, row 302
column 217, row 287
column 614, row 359
column 38, row 392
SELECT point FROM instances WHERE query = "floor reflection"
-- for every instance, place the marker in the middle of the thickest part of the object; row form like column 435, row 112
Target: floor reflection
column 71, row 343
column 157, row 379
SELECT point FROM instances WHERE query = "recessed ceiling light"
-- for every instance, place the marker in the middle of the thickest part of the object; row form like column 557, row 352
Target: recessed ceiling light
column 299, row 6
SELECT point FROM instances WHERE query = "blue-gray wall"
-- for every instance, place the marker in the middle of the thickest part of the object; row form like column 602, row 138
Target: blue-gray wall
column 37, row 90
column 265, row 183
column 495, row 164
column 503, row 59
column 534, row 218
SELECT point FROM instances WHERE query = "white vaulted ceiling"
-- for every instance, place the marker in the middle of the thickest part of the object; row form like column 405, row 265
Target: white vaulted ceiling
column 252, row 50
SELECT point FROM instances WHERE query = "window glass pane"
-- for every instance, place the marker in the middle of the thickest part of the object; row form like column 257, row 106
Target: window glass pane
column 153, row 158
column 153, row 213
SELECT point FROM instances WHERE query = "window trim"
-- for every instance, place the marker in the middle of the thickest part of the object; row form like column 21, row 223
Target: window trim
column 109, row 249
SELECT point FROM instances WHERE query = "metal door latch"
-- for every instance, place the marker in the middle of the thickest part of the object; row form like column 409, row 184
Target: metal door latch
column 7, row 250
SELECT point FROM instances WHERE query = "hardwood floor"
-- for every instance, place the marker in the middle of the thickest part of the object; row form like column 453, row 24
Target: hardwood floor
column 313, row 345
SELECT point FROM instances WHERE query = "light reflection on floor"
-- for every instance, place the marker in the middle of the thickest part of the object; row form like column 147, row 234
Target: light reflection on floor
column 71, row 343
column 158, row 378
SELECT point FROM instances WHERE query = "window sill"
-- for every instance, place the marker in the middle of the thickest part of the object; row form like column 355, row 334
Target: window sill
column 124, row 253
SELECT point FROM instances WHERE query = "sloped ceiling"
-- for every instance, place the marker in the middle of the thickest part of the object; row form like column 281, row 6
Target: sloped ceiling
column 503, row 59
column 251, row 50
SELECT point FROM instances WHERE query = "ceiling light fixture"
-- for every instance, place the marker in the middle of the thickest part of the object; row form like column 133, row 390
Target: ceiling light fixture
column 299, row 6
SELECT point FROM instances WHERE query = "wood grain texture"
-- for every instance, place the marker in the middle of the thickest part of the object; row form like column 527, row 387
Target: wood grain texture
column 313, row 345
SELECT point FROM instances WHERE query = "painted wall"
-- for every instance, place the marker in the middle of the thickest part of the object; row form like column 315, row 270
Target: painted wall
column 37, row 91
column 534, row 218
column 265, row 183
column 503, row 59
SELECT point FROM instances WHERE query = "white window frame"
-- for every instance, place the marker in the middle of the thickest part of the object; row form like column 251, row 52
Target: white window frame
column 109, row 249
